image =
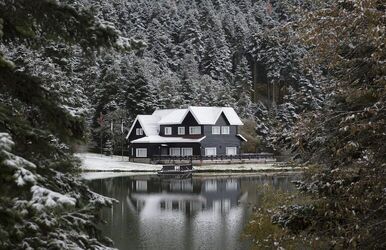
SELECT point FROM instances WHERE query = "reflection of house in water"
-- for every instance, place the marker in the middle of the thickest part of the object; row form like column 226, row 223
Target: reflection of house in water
column 221, row 194
column 197, row 213
column 187, row 195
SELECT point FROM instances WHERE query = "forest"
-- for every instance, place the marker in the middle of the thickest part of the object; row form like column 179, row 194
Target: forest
column 308, row 77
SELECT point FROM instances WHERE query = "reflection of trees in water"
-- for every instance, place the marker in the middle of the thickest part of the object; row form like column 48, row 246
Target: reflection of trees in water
column 218, row 194
column 198, row 210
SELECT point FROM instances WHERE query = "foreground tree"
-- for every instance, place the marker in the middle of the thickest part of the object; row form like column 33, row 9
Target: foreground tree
column 344, row 143
column 42, row 205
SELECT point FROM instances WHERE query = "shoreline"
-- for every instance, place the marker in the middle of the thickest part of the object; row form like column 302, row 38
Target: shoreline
column 116, row 164
column 98, row 175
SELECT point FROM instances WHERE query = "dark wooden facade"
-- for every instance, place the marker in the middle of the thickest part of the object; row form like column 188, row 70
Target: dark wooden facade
column 133, row 136
column 221, row 141
column 218, row 141
column 187, row 122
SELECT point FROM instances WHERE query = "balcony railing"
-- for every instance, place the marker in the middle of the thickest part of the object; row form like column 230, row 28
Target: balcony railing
column 256, row 156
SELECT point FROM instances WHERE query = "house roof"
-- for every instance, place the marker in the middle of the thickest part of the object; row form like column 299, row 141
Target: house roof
column 203, row 115
column 149, row 124
column 163, row 139
column 174, row 116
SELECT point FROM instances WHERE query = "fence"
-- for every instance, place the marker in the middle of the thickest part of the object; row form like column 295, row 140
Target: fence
column 170, row 158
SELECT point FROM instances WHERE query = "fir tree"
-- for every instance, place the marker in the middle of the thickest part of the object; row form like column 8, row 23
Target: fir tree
column 42, row 205
column 243, row 90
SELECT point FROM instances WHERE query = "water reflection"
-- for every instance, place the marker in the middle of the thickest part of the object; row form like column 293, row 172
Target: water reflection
column 195, row 213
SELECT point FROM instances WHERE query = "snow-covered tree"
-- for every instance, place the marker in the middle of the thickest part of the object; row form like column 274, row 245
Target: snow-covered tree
column 42, row 204
column 243, row 90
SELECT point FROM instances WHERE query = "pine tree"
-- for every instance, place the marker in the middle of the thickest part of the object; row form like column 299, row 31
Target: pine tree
column 243, row 90
column 191, row 36
column 42, row 205
column 345, row 141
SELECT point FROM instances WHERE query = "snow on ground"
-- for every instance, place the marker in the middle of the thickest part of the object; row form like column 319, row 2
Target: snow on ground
column 96, row 162
column 106, row 175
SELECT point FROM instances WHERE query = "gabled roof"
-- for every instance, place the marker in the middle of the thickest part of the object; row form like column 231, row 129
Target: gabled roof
column 174, row 116
column 203, row 115
column 149, row 124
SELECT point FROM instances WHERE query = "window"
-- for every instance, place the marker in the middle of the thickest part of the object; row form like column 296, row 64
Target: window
column 216, row 130
column 181, row 130
column 187, row 151
column 195, row 130
column 139, row 131
column 210, row 151
column 141, row 152
column 168, row 130
column 225, row 130
column 175, row 151
column 231, row 150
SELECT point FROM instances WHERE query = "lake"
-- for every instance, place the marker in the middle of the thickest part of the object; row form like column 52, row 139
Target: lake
column 202, row 212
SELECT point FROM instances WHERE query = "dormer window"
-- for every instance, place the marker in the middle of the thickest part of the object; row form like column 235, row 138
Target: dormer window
column 195, row 130
column 168, row 130
column 225, row 130
column 181, row 130
column 139, row 131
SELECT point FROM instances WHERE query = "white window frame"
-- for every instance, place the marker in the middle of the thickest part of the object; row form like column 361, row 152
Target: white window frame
column 193, row 128
column 181, row 130
column 211, row 154
column 186, row 151
column 216, row 130
column 175, row 151
column 168, row 130
column 139, row 131
column 141, row 152
column 225, row 130
column 229, row 148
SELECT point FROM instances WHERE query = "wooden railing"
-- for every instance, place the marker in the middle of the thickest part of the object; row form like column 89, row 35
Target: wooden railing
column 265, row 156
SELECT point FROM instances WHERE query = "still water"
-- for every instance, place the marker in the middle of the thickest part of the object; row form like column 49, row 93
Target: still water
column 202, row 212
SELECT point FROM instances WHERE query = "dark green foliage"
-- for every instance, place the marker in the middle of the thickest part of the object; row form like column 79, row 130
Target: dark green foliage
column 206, row 45
column 345, row 141
column 42, row 205
column 24, row 19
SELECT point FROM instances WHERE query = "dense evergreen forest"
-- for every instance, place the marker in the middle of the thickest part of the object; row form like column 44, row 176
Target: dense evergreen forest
column 308, row 76
column 216, row 53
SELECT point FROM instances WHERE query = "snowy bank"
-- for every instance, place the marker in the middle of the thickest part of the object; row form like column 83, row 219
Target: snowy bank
column 96, row 162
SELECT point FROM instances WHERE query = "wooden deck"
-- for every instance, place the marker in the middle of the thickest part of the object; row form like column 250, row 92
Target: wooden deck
column 218, row 159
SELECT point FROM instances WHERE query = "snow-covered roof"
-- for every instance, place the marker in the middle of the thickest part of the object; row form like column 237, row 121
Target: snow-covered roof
column 163, row 139
column 149, row 124
column 203, row 115
column 175, row 116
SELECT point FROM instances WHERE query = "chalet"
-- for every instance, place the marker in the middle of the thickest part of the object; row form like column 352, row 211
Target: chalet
column 198, row 131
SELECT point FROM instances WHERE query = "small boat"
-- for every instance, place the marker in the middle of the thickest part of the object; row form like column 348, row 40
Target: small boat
column 172, row 170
